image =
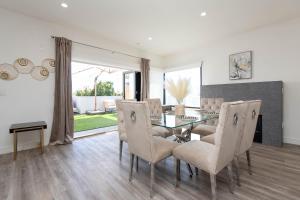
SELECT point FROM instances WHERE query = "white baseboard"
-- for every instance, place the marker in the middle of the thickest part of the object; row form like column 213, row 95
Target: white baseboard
column 21, row 146
column 291, row 140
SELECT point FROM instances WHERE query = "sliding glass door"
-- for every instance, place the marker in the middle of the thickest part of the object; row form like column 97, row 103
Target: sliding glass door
column 132, row 85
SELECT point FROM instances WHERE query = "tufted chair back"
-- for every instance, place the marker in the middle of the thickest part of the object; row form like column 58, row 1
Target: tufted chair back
column 154, row 106
column 120, row 118
column 138, row 127
column 247, row 134
column 211, row 105
column 231, row 121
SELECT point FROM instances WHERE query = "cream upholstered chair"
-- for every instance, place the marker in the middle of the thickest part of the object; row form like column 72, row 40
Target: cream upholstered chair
column 209, row 105
column 156, row 130
column 154, row 106
column 141, row 141
column 246, row 135
column 121, row 127
column 212, row 158
column 156, row 111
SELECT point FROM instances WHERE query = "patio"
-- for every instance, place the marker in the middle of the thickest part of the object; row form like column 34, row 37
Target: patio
column 95, row 89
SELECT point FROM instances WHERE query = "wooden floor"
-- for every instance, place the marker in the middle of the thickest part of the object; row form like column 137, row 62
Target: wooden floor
column 90, row 169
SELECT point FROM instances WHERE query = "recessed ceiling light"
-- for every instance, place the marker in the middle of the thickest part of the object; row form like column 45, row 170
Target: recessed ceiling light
column 150, row 38
column 64, row 5
column 203, row 14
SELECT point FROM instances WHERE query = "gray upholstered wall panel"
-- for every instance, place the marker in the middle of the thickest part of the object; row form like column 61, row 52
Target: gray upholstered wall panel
column 272, row 103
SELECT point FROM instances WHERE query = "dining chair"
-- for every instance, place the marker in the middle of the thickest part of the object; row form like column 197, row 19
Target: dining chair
column 121, row 127
column 156, row 130
column 212, row 158
column 141, row 142
column 156, row 111
column 212, row 105
column 246, row 136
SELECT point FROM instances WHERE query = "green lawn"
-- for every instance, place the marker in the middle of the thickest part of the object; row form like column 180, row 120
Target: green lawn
column 87, row 122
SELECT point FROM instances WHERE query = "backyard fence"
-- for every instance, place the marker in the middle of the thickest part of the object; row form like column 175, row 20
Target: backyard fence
column 87, row 103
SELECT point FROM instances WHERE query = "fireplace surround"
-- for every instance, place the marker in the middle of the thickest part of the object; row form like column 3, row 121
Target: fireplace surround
column 272, row 104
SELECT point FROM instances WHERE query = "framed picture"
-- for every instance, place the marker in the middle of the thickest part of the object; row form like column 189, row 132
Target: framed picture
column 240, row 66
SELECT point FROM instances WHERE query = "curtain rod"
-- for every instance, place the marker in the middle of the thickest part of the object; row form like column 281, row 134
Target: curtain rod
column 100, row 48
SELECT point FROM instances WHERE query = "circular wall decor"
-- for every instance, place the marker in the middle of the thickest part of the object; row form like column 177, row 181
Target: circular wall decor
column 23, row 65
column 8, row 72
column 40, row 73
column 49, row 64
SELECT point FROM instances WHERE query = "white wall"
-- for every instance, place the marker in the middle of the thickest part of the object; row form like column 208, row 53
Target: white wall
column 276, row 56
column 156, row 83
column 25, row 99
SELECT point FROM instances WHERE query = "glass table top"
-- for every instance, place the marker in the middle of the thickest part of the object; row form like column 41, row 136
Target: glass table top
column 170, row 120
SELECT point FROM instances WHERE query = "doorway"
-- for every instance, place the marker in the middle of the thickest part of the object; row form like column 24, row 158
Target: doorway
column 95, row 89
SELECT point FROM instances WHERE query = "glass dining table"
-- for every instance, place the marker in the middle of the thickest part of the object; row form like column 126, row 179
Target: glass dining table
column 181, row 126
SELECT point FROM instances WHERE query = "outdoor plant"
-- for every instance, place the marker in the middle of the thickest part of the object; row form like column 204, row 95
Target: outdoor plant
column 85, row 92
column 179, row 90
column 105, row 88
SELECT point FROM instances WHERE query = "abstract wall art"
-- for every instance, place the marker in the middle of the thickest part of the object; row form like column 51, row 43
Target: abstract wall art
column 240, row 66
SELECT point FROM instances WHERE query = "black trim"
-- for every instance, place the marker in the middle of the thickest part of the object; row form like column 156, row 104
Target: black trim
column 164, row 89
column 137, row 84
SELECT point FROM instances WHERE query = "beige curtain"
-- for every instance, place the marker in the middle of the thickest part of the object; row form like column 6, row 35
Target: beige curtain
column 145, row 68
column 63, row 120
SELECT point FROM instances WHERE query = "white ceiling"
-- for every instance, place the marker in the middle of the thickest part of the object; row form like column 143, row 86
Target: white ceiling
column 175, row 25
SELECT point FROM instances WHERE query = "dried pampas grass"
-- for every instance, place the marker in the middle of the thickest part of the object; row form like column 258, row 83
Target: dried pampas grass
column 179, row 90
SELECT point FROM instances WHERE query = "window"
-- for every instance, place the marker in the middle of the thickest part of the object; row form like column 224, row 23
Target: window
column 193, row 99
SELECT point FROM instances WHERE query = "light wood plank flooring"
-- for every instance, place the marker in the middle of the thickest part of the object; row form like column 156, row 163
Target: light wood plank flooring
column 90, row 169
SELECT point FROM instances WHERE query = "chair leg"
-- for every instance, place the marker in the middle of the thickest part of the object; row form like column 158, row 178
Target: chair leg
column 249, row 162
column 197, row 171
column 230, row 177
column 131, row 167
column 177, row 170
column 137, row 164
column 42, row 140
column 121, row 149
column 213, row 186
column 190, row 169
column 15, row 145
column 152, row 179
column 237, row 170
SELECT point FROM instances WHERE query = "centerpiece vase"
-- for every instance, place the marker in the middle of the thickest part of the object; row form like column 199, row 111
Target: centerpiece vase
column 180, row 110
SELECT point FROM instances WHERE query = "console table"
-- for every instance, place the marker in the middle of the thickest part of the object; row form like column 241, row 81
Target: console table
column 24, row 127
